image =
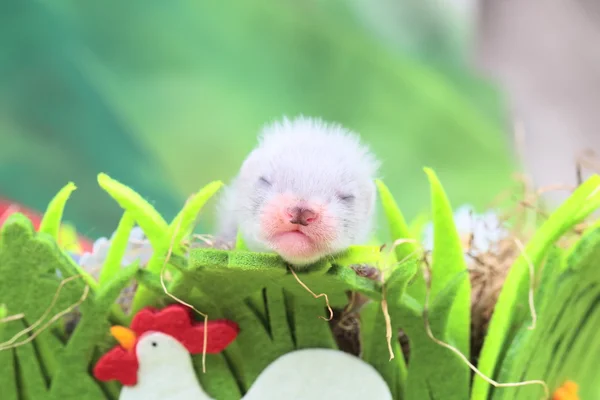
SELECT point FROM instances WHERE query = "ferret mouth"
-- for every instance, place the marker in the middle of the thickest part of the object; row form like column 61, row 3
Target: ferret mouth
column 295, row 246
column 291, row 235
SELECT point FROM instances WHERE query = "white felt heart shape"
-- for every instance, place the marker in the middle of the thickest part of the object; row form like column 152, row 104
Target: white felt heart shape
column 319, row 374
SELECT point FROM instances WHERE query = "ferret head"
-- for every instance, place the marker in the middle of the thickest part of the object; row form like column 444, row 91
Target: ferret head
column 307, row 191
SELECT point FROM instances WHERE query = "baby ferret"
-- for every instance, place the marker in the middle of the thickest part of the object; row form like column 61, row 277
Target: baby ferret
column 305, row 192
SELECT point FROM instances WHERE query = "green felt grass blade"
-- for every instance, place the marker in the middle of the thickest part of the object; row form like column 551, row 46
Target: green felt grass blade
column 253, row 340
column 434, row 372
column 396, row 222
column 511, row 307
column 151, row 222
column 182, row 224
column 68, row 239
column 239, row 242
column 51, row 221
column 373, row 330
column 310, row 330
column 448, row 260
column 360, row 255
column 280, row 325
column 8, row 379
column 218, row 380
column 72, row 379
column 32, row 380
column 118, row 246
column 48, row 346
column 375, row 348
column 28, row 285
column 568, row 321
column 399, row 230
column 150, row 281
column 173, row 235
column 418, row 224
column 591, row 203
column 144, row 296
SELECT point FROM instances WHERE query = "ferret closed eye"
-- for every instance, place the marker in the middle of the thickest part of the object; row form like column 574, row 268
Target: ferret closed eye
column 305, row 192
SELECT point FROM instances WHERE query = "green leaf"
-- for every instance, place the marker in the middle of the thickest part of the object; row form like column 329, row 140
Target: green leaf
column 448, row 260
column 179, row 228
column 418, row 224
column 185, row 218
column 239, row 242
column 373, row 330
column 52, row 217
column 68, row 239
column 118, row 246
column 151, row 222
column 511, row 308
column 396, row 222
column 434, row 372
column 375, row 348
column 359, row 255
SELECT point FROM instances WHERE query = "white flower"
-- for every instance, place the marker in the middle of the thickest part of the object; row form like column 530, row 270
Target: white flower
column 138, row 249
column 486, row 229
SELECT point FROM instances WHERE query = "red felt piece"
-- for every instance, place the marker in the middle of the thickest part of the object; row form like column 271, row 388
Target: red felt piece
column 221, row 333
column 175, row 320
column 118, row 364
column 8, row 207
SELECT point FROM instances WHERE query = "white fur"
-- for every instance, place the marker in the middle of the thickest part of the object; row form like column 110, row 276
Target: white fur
column 311, row 159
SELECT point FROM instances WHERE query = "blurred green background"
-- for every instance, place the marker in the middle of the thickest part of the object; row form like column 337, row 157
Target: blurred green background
column 168, row 96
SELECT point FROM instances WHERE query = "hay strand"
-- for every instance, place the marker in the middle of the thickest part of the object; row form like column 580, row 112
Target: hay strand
column 11, row 318
column 44, row 315
column 388, row 322
column 10, row 344
column 315, row 296
column 531, row 283
column 384, row 304
column 465, row 359
column 177, row 299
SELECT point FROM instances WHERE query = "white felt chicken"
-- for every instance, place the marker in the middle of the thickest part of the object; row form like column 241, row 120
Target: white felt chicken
column 153, row 360
column 153, row 363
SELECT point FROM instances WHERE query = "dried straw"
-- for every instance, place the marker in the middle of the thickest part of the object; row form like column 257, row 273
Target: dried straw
column 315, row 296
column 384, row 303
column 465, row 359
column 164, row 287
column 12, row 318
column 12, row 343
column 531, row 284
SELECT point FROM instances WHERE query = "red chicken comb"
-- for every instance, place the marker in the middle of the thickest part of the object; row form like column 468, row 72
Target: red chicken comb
column 175, row 320
column 121, row 363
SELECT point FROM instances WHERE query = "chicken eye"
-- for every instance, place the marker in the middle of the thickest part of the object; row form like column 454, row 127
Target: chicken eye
column 154, row 344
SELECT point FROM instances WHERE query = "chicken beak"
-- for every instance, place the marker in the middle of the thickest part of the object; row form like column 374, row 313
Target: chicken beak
column 125, row 336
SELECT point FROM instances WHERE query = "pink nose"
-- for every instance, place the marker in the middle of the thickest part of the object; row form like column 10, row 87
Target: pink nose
column 301, row 216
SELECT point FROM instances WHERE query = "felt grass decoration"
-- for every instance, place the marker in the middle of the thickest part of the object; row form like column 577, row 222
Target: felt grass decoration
column 277, row 314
